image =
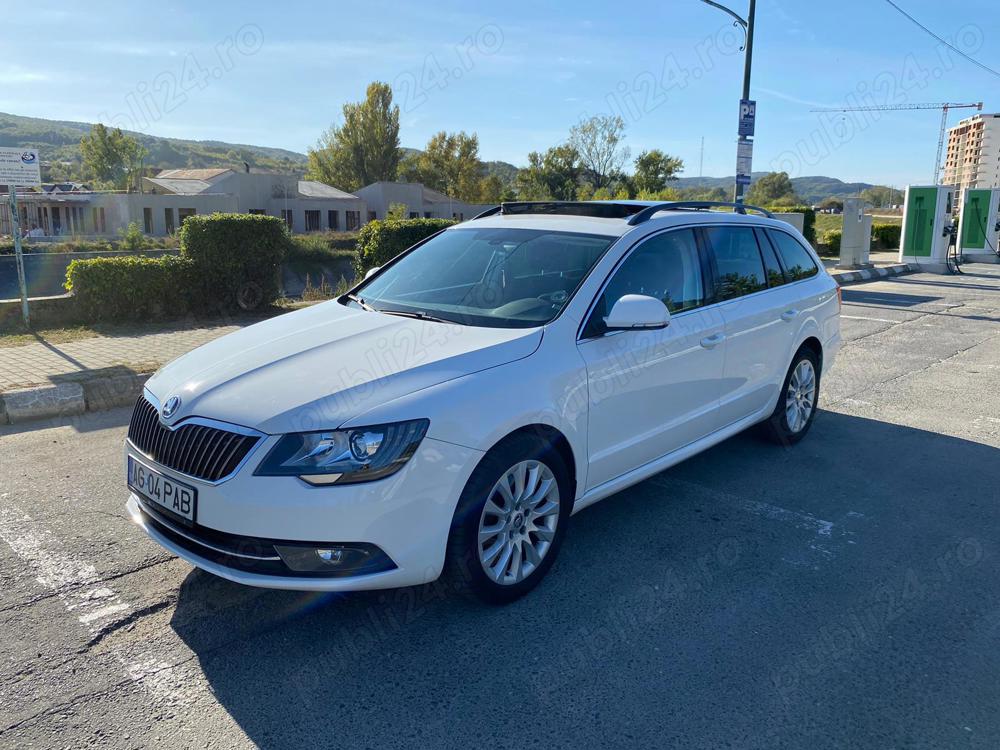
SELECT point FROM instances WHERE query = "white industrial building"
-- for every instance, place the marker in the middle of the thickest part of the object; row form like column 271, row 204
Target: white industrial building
column 174, row 194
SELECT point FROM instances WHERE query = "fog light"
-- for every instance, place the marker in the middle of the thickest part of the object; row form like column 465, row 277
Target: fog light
column 332, row 556
column 355, row 558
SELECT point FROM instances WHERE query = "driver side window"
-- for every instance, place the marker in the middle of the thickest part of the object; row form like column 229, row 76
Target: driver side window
column 666, row 266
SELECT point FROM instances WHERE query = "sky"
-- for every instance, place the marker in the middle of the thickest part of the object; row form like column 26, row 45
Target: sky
column 519, row 74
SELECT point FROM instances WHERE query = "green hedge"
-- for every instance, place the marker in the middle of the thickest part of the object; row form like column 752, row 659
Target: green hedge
column 886, row 236
column 383, row 239
column 831, row 241
column 808, row 221
column 131, row 287
column 238, row 257
column 227, row 262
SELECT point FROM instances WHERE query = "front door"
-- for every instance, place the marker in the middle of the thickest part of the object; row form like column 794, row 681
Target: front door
column 654, row 391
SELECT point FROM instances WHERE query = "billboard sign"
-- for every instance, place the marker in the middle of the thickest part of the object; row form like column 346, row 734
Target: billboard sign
column 20, row 166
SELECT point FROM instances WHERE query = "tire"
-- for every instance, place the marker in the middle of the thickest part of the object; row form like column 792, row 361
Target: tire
column 465, row 565
column 787, row 426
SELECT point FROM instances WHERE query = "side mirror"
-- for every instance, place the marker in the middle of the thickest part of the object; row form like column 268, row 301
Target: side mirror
column 637, row 311
column 372, row 271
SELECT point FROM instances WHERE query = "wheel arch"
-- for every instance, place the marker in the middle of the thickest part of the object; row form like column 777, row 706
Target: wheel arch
column 549, row 434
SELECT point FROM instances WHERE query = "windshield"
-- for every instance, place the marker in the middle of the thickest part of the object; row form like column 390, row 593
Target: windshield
column 510, row 278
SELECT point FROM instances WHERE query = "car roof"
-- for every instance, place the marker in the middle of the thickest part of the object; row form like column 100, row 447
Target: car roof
column 551, row 218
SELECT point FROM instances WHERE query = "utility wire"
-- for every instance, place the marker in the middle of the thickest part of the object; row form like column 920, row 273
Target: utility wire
column 947, row 44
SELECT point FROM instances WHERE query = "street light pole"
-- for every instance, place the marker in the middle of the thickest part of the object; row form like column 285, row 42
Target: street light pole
column 744, row 149
column 747, row 62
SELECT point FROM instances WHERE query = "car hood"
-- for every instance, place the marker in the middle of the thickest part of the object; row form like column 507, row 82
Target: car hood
column 316, row 368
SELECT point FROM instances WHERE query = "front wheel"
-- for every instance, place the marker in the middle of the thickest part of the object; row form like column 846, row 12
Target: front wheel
column 510, row 521
column 796, row 408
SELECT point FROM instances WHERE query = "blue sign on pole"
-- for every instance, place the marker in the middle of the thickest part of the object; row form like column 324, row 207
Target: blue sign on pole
column 748, row 114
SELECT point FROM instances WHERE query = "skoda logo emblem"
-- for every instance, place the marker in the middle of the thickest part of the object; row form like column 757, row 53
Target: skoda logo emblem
column 170, row 408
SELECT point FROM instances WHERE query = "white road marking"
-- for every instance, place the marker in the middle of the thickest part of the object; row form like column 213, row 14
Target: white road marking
column 823, row 530
column 95, row 608
column 865, row 317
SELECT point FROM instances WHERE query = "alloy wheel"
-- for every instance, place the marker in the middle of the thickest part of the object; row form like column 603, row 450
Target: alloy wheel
column 800, row 398
column 518, row 522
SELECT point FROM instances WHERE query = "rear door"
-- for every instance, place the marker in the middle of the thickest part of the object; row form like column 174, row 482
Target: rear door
column 752, row 311
column 654, row 391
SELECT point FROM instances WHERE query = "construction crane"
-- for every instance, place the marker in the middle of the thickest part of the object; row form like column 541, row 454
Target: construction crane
column 943, row 106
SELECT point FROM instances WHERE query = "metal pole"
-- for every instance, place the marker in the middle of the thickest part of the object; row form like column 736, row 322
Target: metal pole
column 747, row 62
column 15, row 225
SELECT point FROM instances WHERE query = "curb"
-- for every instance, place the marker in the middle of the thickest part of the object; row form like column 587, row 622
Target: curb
column 70, row 398
column 869, row 274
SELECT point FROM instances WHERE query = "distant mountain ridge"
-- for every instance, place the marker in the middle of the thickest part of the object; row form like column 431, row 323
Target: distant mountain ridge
column 59, row 141
column 811, row 189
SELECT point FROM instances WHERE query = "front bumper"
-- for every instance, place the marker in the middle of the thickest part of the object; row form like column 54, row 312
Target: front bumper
column 407, row 516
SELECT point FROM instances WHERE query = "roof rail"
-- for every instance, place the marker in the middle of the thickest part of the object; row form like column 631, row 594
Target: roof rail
column 647, row 213
column 487, row 212
column 635, row 212
column 597, row 209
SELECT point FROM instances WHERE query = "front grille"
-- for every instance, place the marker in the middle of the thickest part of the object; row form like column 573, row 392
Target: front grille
column 197, row 450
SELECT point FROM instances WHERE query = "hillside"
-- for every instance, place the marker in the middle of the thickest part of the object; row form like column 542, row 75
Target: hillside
column 59, row 144
column 59, row 141
column 810, row 189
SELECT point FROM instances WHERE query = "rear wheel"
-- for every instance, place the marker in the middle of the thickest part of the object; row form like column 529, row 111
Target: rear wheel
column 796, row 408
column 510, row 520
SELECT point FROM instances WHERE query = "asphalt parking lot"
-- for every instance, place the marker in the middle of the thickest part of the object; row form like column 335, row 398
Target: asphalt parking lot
column 841, row 593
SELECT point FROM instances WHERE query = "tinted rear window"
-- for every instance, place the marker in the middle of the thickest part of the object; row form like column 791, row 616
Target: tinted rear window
column 796, row 259
column 737, row 259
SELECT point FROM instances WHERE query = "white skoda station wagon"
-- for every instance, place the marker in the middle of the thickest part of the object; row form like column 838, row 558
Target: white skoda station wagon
column 452, row 411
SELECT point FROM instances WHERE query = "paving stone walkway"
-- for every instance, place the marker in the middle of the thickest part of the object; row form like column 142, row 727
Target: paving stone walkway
column 45, row 363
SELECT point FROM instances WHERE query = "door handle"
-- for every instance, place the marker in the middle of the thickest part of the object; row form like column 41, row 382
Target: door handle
column 789, row 315
column 710, row 342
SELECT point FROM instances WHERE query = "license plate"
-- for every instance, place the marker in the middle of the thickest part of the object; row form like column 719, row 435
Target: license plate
column 157, row 488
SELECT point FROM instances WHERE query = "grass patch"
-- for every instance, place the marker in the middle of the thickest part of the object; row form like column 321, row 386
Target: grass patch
column 50, row 335
column 309, row 251
column 826, row 222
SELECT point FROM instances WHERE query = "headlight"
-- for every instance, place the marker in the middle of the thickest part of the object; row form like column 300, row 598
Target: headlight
column 359, row 454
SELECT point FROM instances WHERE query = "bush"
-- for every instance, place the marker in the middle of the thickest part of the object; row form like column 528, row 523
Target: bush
column 831, row 241
column 237, row 258
column 132, row 239
column 886, row 236
column 307, row 250
column 227, row 261
column 808, row 221
column 383, row 239
column 132, row 287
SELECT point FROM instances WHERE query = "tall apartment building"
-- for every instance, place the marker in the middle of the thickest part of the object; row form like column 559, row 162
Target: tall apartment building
column 973, row 159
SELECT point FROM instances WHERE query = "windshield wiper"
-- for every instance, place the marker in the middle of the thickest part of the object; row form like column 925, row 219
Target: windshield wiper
column 417, row 315
column 364, row 305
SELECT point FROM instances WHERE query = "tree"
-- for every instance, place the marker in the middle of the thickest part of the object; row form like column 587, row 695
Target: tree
column 832, row 204
column 111, row 156
column 771, row 189
column 450, row 164
column 653, row 169
column 553, row 175
column 881, row 196
column 598, row 141
column 365, row 148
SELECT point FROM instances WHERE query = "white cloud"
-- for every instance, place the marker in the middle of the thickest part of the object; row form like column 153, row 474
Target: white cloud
column 17, row 75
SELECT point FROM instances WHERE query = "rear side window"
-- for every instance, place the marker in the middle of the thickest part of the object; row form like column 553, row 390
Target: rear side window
column 737, row 260
column 775, row 274
column 796, row 259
